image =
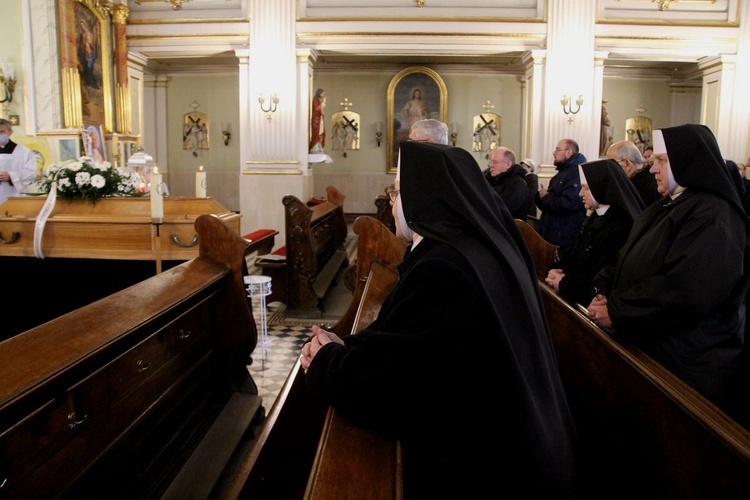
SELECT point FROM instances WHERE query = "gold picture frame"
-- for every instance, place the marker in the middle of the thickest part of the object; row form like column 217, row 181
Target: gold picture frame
column 404, row 105
column 86, row 64
column 639, row 130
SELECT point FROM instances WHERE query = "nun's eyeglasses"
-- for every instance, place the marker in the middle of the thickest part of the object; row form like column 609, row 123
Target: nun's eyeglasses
column 393, row 194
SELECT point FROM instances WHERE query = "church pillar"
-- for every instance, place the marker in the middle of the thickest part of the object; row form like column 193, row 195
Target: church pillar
column 273, row 161
column 735, row 143
column 570, row 71
column 717, row 97
column 684, row 103
column 154, row 135
column 123, row 121
column 536, row 147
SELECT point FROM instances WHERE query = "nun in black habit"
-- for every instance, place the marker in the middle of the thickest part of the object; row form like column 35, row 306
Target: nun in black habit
column 614, row 203
column 459, row 363
column 678, row 288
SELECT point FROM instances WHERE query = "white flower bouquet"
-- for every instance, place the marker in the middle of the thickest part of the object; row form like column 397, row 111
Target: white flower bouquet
column 84, row 179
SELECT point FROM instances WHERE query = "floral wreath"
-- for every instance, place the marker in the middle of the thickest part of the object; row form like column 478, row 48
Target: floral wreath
column 84, row 179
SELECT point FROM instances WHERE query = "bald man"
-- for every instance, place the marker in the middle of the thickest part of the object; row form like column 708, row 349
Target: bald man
column 629, row 157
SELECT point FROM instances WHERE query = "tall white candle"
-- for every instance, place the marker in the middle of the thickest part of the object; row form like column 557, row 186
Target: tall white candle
column 157, row 200
column 200, row 183
column 115, row 150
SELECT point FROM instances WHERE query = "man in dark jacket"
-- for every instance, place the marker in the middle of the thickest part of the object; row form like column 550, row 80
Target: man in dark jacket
column 508, row 180
column 562, row 208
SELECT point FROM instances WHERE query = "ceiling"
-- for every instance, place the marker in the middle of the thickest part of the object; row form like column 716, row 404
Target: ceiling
column 511, row 61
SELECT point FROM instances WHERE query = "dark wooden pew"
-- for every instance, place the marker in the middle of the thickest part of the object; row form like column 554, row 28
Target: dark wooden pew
column 383, row 210
column 305, row 449
column 314, row 253
column 543, row 253
column 643, row 431
column 113, row 400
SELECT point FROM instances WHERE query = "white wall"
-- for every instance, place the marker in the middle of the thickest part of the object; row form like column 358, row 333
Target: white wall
column 218, row 96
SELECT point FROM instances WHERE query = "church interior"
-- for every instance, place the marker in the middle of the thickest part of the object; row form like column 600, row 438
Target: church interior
column 218, row 95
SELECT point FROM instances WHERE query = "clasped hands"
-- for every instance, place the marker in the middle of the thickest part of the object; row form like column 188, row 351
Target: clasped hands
column 320, row 338
column 553, row 278
column 598, row 311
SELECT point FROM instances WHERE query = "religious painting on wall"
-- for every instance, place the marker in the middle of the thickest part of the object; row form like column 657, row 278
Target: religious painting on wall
column 93, row 143
column 40, row 147
column 345, row 127
column 487, row 128
column 86, row 60
column 195, row 131
column 638, row 130
column 414, row 93
column 68, row 149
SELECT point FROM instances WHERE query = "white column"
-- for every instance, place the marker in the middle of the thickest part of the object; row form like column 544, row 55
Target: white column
column 538, row 149
column 305, row 59
column 273, row 162
column 717, row 96
column 684, row 103
column 273, row 70
column 735, row 142
column 155, row 126
column 570, row 71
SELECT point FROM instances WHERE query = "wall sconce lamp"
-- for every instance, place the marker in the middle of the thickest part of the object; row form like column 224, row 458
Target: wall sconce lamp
column 226, row 133
column 271, row 105
column 378, row 132
column 454, row 132
column 8, row 79
column 565, row 101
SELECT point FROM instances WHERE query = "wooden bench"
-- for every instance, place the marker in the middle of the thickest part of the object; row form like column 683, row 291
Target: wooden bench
column 383, row 210
column 113, row 399
column 261, row 241
column 543, row 253
column 314, row 251
column 384, row 215
column 304, row 448
column 643, row 431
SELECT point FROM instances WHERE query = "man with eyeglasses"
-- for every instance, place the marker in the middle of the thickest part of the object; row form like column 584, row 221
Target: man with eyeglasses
column 633, row 163
column 562, row 208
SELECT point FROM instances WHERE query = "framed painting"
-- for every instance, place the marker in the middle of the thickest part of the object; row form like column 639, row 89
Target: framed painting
column 195, row 131
column 40, row 147
column 487, row 129
column 68, row 149
column 414, row 93
column 93, row 143
column 638, row 130
column 87, row 66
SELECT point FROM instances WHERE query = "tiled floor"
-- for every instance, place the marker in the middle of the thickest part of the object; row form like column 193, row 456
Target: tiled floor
column 285, row 338
column 283, row 347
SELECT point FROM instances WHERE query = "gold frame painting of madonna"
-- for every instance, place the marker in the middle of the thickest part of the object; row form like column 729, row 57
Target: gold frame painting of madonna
column 413, row 94
column 86, row 59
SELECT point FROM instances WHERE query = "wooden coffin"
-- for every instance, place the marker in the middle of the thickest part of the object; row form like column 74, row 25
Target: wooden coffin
column 113, row 228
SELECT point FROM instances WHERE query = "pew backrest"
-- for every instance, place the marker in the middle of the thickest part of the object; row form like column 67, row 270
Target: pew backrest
column 640, row 427
column 543, row 253
column 111, row 399
column 305, row 449
column 315, row 249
